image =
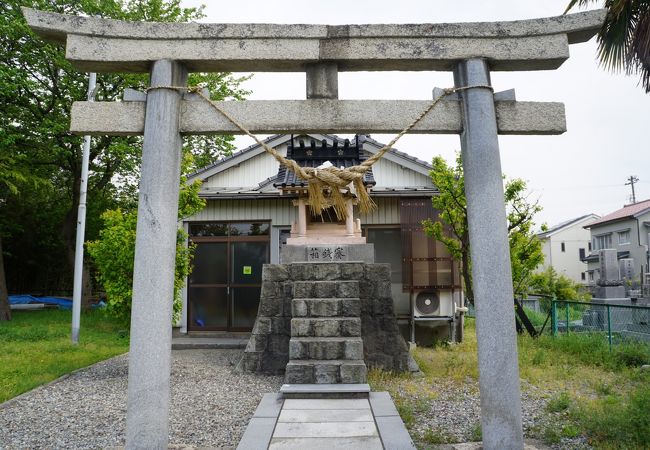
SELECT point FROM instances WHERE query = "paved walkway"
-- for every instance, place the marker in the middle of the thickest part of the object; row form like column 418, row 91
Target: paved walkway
column 347, row 423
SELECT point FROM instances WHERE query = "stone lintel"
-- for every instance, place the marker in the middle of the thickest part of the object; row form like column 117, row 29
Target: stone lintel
column 108, row 54
column 99, row 45
column 317, row 116
column 579, row 27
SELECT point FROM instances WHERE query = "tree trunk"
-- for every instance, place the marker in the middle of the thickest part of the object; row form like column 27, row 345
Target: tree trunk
column 5, row 311
column 467, row 275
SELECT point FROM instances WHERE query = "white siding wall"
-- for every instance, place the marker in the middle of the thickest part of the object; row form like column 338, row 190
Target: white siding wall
column 568, row 262
column 387, row 212
column 248, row 173
column 281, row 212
column 389, row 174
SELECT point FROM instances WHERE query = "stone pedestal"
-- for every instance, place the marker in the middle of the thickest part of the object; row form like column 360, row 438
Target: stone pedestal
column 327, row 253
column 609, row 292
column 306, row 297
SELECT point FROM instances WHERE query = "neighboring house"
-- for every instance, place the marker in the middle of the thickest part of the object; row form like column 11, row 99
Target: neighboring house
column 249, row 216
column 626, row 230
column 565, row 246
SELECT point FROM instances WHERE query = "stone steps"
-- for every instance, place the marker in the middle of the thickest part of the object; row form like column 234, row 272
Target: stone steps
column 325, row 307
column 326, row 289
column 325, row 348
column 309, row 371
column 326, row 327
column 326, row 345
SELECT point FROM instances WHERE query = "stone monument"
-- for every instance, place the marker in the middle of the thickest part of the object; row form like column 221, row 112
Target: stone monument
column 169, row 51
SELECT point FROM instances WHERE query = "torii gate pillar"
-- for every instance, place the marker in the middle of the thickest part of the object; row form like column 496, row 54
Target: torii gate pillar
column 147, row 422
column 491, row 271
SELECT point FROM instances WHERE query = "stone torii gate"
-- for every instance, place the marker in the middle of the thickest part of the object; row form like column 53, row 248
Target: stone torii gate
column 169, row 51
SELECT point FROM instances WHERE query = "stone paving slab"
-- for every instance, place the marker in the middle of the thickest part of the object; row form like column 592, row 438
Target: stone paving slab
column 340, row 388
column 326, row 404
column 382, row 405
column 316, row 423
column 325, row 415
column 269, row 406
column 356, row 443
column 325, row 430
column 393, row 433
column 258, row 434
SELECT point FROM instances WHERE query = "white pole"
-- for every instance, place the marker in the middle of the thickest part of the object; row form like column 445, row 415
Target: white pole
column 81, row 225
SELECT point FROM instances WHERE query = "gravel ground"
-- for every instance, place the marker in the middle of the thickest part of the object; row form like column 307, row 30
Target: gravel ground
column 210, row 407
column 456, row 413
column 212, row 404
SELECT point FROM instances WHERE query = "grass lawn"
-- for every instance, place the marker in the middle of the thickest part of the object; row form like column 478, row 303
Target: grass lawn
column 587, row 390
column 36, row 347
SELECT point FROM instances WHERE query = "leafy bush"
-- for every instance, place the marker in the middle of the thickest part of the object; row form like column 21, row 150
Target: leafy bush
column 552, row 284
column 114, row 254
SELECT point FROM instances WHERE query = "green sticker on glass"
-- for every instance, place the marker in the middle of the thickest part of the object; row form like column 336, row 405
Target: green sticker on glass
column 248, row 270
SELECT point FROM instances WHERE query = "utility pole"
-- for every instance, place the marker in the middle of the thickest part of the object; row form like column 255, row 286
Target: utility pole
column 633, row 179
column 81, row 225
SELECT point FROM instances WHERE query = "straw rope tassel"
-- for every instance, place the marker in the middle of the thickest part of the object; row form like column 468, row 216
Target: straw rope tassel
column 330, row 178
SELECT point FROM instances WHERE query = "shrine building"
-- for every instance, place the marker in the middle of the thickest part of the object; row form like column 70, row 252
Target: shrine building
column 255, row 206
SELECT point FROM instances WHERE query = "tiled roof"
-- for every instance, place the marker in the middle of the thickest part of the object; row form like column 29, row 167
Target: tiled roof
column 626, row 212
column 366, row 138
column 234, row 155
column 562, row 225
column 314, row 154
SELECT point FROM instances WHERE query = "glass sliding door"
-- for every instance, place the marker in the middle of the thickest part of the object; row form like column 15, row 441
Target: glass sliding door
column 208, row 287
column 247, row 260
column 225, row 283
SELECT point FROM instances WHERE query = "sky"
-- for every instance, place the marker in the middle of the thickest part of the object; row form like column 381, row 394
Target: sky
column 579, row 172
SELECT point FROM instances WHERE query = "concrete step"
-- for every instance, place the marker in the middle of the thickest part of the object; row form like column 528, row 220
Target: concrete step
column 325, row 348
column 326, row 307
column 340, row 390
column 326, row 289
column 326, row 327
column 193, row 343
column 309, row 371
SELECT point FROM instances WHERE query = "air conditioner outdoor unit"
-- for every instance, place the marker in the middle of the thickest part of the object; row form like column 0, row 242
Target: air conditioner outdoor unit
column 433, row 304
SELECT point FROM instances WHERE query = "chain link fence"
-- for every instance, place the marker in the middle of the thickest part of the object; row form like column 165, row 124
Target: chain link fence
column 616, row 322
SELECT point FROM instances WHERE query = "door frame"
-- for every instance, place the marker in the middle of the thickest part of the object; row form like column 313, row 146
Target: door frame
column 228, row 240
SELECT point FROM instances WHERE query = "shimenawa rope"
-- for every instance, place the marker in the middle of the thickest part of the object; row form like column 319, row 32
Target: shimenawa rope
column 331, row 179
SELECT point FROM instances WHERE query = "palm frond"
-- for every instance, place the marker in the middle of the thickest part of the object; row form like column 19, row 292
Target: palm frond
column 624, row 39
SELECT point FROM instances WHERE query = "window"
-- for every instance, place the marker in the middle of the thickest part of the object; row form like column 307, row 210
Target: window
column 581, row 253
column 624, row 237
column 563, row 247
column 602, row 241
column 590, row 246
column 582, row 276
column 591, row 275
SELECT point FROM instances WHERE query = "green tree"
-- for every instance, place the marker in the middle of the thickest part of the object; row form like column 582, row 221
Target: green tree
column 624, row 39
column 552, row 284
column 114, row 253
column 37, row 88
column 451, row 227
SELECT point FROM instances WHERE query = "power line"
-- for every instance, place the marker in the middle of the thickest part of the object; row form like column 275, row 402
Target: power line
column 633, row 179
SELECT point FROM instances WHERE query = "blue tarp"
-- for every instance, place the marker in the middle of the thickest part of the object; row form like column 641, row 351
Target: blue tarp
column 63, row 303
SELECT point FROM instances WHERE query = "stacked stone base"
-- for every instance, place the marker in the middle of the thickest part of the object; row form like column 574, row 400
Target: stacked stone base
column 326, row 345
column 325, row 323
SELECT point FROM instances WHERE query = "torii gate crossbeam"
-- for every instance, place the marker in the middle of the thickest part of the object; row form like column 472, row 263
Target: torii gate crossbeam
column 169, row 51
